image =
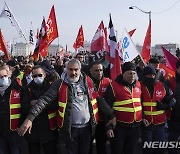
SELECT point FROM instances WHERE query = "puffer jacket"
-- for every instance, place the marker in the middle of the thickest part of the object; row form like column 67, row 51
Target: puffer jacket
column 52, row 94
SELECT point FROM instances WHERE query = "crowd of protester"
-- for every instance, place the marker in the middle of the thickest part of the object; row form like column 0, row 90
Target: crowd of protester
column 73, row 100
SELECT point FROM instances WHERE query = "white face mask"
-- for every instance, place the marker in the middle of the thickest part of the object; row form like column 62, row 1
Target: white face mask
column 4, row 81
column 39, row 80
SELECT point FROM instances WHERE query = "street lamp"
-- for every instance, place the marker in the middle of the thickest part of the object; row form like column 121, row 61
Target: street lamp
column 147, row 12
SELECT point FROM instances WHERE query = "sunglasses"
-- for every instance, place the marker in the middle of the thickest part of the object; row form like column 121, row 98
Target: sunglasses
column 37, row 75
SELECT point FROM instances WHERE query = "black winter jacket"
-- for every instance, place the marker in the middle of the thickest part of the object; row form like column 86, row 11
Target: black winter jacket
column 41, row 131
column 5, row 108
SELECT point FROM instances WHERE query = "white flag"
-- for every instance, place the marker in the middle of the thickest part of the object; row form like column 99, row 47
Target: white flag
column 6, row 13
column 32, row 39
column 9, row 46
column 128, row 48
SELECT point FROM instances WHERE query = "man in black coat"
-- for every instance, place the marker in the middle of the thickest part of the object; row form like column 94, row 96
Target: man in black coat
column 44, row 130
column 10, row 113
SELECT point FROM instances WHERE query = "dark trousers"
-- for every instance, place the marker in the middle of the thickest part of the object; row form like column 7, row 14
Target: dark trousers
column 153, row 133
column 101, row 138
column 174, row 134
column 125, row 140
column 10, row 143
column 48, row 148
column 80, row 140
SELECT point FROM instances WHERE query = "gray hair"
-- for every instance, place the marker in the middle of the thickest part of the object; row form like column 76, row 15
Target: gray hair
column 73, row 61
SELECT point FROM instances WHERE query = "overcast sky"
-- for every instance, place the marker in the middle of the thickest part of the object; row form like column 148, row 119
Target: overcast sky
column 71, row 14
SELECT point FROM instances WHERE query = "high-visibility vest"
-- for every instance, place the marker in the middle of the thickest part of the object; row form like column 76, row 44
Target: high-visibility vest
column 104, row 83
column 19, row 78
column 127, row 105
column 149, row 104
column 15, row 109
column 101, row 91
column 51, row 116
column 62, row 101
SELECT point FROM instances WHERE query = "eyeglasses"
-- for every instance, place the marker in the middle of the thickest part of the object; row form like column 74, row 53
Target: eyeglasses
column 37, row 75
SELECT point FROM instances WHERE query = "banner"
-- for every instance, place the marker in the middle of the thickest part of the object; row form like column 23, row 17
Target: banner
column 128, row 48
column 7, row 13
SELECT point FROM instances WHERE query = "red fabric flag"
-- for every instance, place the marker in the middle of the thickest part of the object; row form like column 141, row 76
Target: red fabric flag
column 99, row 41
column 41, row 44
column 167, row 72
column 114, row 55
column 51, row 26
column 3, row 46
column 170, row 59
column 79, row 40
column 132, row 32
column 147, row 44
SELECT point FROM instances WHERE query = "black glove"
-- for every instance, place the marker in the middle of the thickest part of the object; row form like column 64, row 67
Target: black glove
column 161, row 106
column 172, row 103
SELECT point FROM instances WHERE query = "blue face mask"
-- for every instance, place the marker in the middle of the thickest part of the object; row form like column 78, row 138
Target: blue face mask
column 38, row 80
column 4, row 82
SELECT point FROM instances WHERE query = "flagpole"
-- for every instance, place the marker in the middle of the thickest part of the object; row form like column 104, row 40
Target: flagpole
column 17, row 23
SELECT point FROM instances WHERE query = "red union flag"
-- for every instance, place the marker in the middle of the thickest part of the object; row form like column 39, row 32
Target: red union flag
column 132, row 32
column 51, row 26
column 99, row 41
column 167, row 72
column 170, row 59
column 147, row 44
column 79, row 40
column 41, row 44
column 3, row 46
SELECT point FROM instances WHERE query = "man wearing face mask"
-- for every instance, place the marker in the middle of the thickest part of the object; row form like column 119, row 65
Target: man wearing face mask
column 10, row 112
column 155, row 100
column 44, row 133
column 78, row 111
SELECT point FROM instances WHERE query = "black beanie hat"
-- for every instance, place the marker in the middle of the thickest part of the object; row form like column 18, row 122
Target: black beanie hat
column 148, row 70
column 128, row 66
column 47, row 66
column 178, row 64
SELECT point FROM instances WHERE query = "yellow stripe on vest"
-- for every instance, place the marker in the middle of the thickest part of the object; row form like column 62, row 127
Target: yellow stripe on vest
column 153, row 112
column 52, row 115
column 126, row 109
column 149, row 103
column 62, row 104
column 129, row 101
column 93, row 102
column 95, row 111
column 61, row 114
column 14, row 106
column 15, row 116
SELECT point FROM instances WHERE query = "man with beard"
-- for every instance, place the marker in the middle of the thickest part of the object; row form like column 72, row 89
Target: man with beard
column 174, row 122
column 155, row 100
column 78, row 111
column 10, row 112
column 123, row 95
column 101, row 83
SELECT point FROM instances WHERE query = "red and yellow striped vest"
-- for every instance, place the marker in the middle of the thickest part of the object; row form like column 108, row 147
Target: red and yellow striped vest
column 127, row 105
column 15, row 109
column 62, row 101
column 149, row 105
